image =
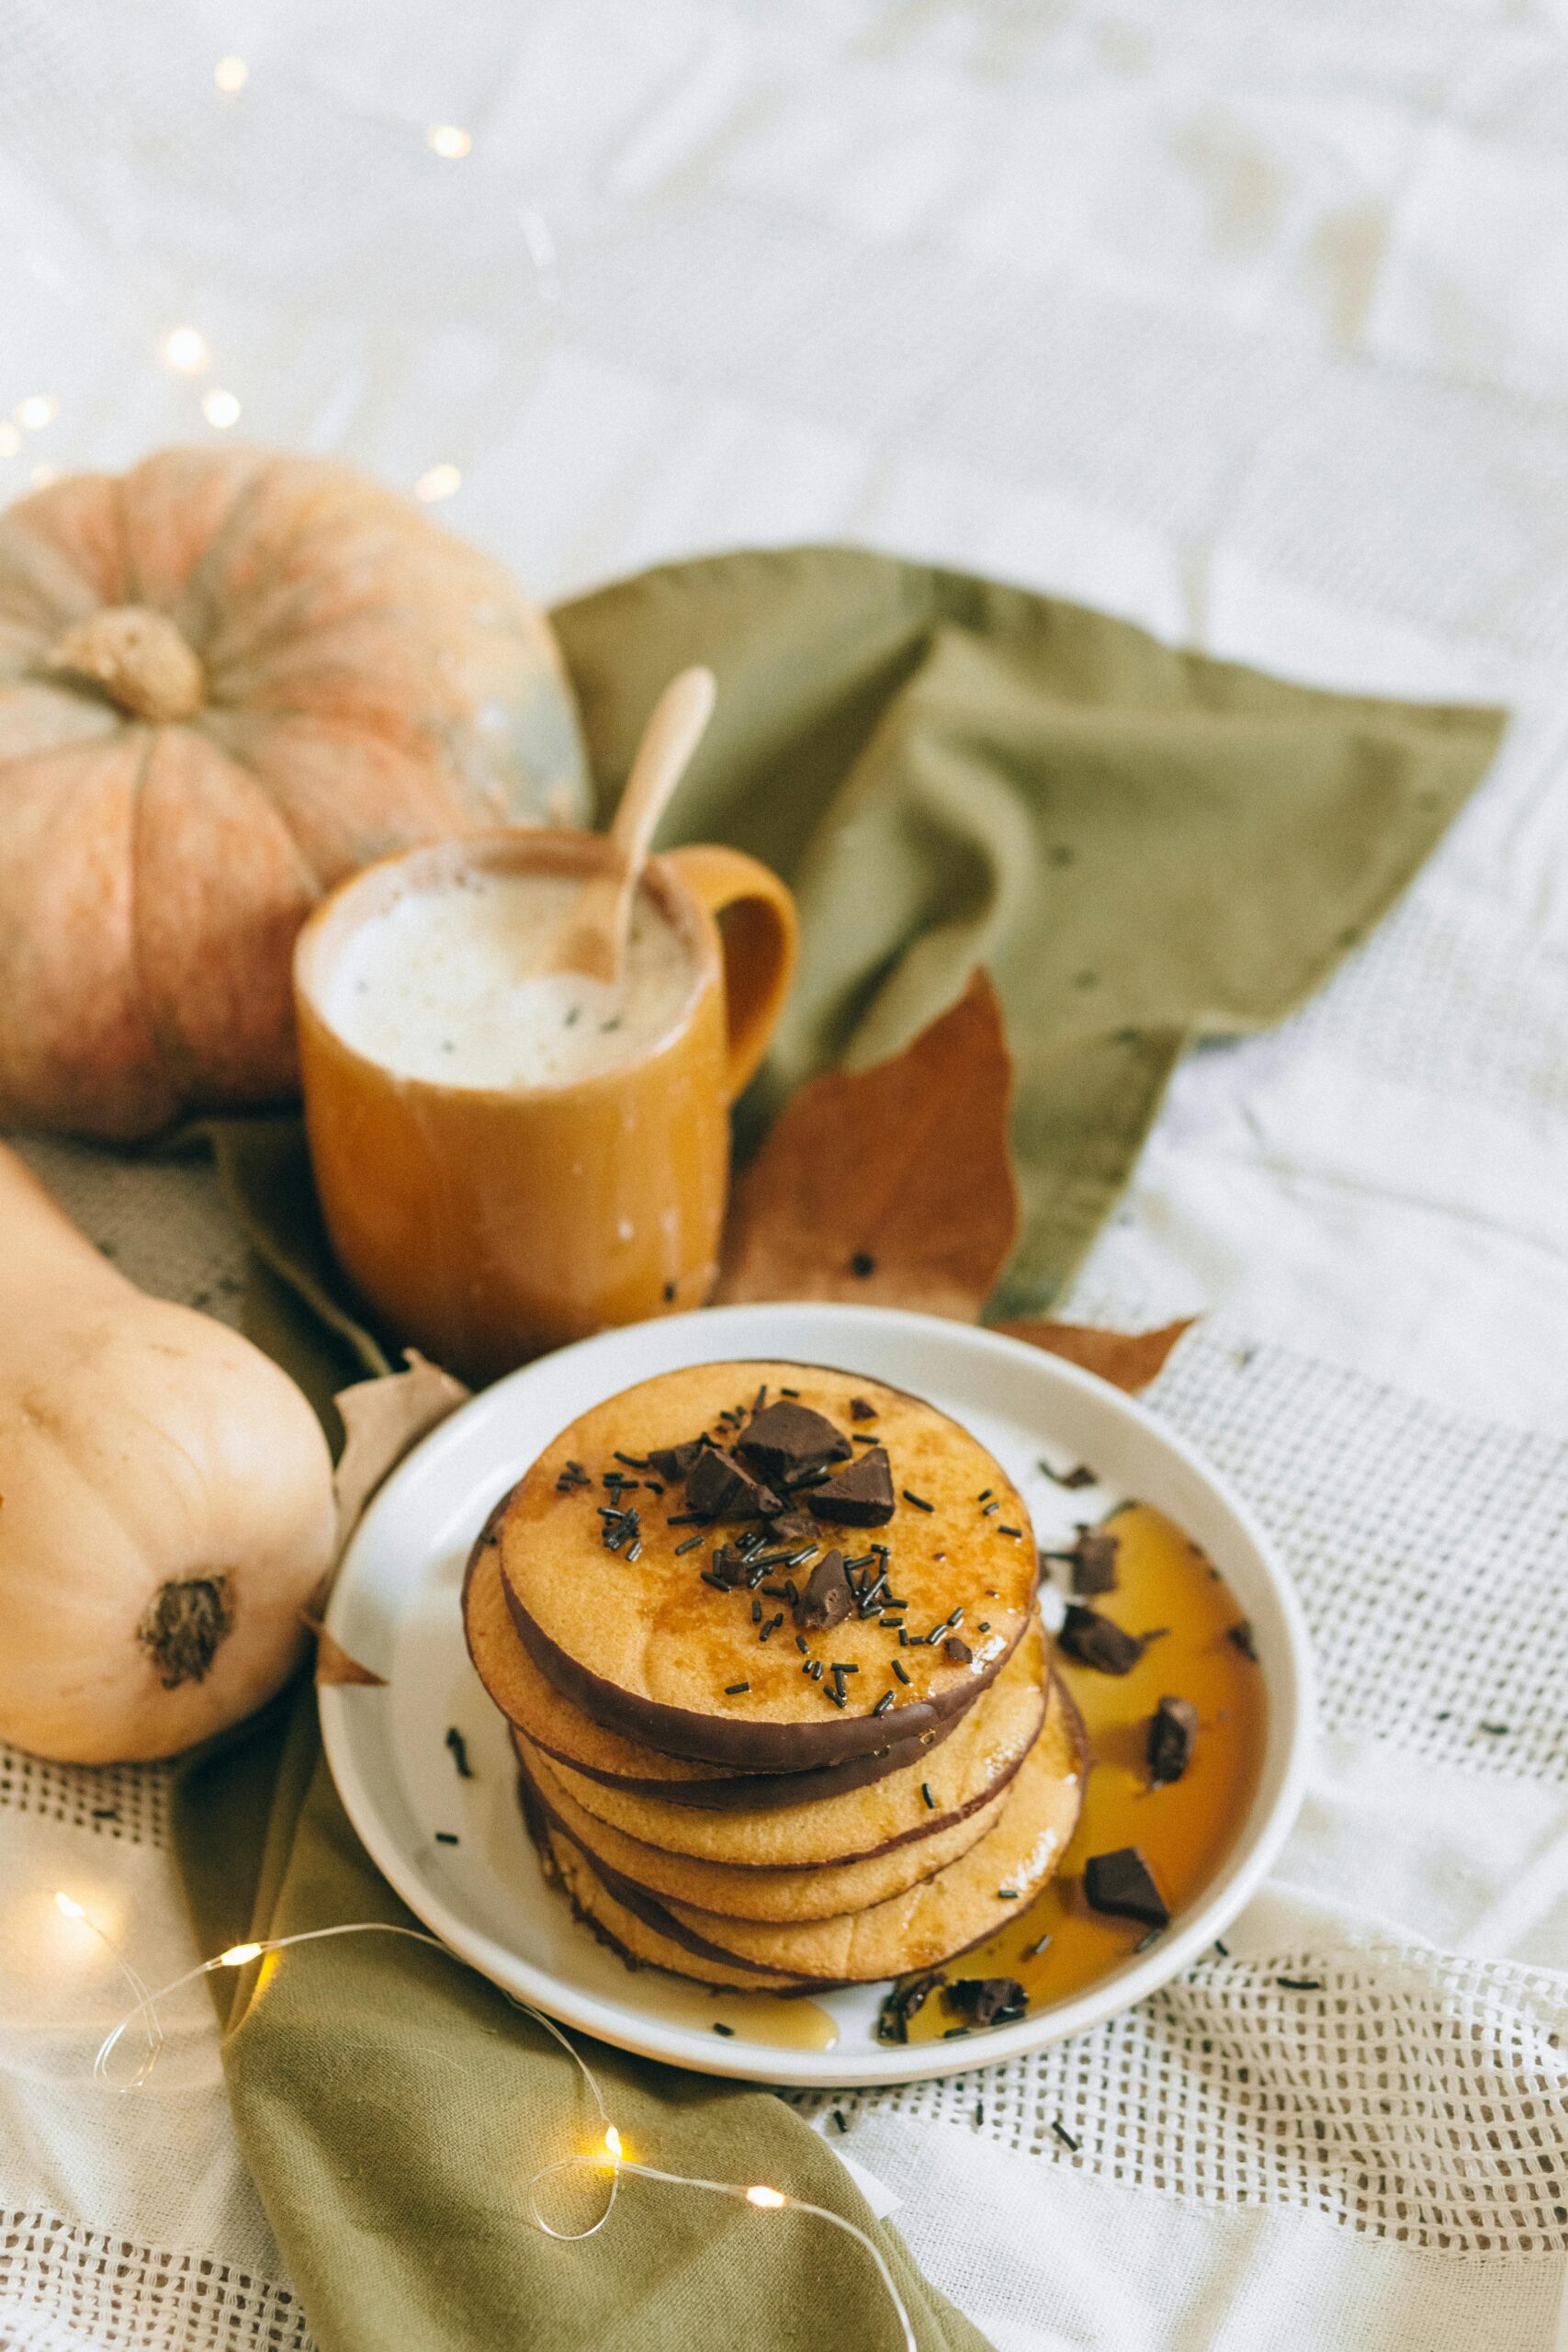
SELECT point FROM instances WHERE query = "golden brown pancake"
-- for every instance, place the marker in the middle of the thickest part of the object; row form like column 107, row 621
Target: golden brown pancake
column 638, row 1941
column 749, row 1894
column 985, row 1748
column 921, row 1928
column 531, row 1701
column 639, row 1641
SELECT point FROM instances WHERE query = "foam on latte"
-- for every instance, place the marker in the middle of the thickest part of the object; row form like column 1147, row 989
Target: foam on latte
column 437, row 986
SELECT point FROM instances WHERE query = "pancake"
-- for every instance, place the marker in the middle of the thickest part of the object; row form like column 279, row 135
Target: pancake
column 979, row 1757
column 748, row 1893
column 923, row 1928
column 625, row 1625
column 640, row 1941
column 532, row 1703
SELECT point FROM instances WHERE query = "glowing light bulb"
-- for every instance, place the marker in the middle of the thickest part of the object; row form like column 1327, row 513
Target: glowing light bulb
column 438, row 481
column 612, row 2141
column 70, row 1906
column 230, row 73
column 765, row 2197
column 450, row 141
column 220, row 408
column 37, row 410
column 10, row 440
column 238, row 1955
column 184, row 350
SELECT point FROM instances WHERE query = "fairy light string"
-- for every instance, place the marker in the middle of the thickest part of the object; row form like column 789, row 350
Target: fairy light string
column 609, row 2156
column 185, row 352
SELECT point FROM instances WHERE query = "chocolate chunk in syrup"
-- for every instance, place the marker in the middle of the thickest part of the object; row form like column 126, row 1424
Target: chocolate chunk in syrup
column 792, row 1527
column 827, row 1599
column 784, row 1440
column 1245, row 1639
column 1173, row 1734
column 958, row 1652
column 862, row 1409
column 673, row 1463
column 1098, row 1642
column 909, row 1994
column 725, row 1489
column 1123, row 1885
column 860, row 1494
column 1093, row 1560
column 986, row 2000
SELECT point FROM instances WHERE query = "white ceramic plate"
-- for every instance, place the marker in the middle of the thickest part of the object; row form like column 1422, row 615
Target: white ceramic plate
column 396, row 1608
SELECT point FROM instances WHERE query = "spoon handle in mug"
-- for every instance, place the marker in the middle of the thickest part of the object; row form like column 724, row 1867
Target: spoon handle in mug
column 593, row 937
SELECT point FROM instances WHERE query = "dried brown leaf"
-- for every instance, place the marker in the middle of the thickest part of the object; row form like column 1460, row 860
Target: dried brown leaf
column 333, row 1663
column 1129, row 1360
column 891, row 1186
column 381, row 1419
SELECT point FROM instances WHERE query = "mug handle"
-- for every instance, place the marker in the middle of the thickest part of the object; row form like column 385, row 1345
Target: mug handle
column 759, row 942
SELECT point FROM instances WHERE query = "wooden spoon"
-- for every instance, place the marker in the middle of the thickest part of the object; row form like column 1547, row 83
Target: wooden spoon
column 593, row 939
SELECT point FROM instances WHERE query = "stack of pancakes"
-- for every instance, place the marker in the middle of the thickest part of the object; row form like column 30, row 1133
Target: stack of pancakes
column 766, row 1636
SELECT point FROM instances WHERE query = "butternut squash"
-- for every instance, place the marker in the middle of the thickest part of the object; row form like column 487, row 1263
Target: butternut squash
column 165, row 1504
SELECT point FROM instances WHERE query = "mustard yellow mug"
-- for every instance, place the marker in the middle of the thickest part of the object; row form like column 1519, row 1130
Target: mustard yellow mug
column 485, row 1224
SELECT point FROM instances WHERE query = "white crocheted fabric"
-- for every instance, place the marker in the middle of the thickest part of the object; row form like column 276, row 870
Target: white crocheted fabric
column 1246, row 320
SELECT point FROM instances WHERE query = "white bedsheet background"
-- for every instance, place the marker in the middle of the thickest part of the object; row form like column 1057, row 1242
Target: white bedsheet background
column 1249, row 321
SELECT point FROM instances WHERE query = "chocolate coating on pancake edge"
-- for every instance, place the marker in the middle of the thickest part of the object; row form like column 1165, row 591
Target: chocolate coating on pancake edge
column 769, row 1791
column 931, row 1825
column 654, row 1915
column 750, row 1747
column 782, row 1897
column 1003, row 1720
column 779, row 1732
column 646, row 1907
column 746, row 1792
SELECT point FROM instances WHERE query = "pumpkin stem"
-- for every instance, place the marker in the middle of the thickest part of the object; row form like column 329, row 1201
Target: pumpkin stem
column 181, row 1626
column 137, row 658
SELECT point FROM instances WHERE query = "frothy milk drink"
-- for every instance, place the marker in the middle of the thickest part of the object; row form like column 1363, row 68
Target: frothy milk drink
column 439, row 986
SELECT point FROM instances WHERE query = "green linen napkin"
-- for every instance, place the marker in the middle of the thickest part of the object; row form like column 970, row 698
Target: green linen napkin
column 393, row 2107
column 1145, row 847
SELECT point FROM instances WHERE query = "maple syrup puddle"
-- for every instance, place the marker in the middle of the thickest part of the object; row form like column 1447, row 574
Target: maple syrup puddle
column 1185, row 1830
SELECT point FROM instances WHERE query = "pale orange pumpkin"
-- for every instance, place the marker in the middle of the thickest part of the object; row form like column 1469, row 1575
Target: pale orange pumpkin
column 228, row 678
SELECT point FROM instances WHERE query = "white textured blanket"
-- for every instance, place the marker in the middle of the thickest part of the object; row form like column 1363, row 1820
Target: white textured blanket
column 1247, row 319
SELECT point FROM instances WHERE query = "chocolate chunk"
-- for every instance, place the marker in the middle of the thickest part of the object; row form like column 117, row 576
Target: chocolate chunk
column 1123, row 1885
column 986, row 2000
column 909, row 1994
column 828, row 1597
column 1094, row 1559
column 1098, row 1642
column 959, row 1652
column 1173, row 1732
column 673, row 1462
column 862, row 1409
column 791, row 1527
column 725, row 1489
column 785, row 1440
column 860, row 1494
column 1244, row 1638
column 726, row 1564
